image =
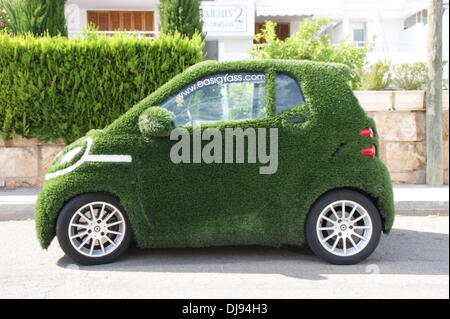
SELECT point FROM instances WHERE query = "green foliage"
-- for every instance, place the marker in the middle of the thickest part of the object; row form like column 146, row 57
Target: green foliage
column 55, row 22
column 310, row 43
column 410, row 76
column 377, row 77
column 181, row 205
column 37, row 17
column 2, row 18
column 155, row 122
column 183, row 16
column 51, row 87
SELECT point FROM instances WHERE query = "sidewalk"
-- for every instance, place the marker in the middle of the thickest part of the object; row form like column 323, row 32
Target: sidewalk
column 18, row 204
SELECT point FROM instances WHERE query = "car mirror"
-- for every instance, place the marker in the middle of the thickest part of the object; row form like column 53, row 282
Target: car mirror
column 156, row 122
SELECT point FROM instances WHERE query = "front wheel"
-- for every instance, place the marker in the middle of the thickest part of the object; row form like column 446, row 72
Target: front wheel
column 343, row 227
column 93, row 229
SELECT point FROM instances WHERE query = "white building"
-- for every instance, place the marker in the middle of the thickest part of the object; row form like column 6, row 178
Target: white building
column 391, row 29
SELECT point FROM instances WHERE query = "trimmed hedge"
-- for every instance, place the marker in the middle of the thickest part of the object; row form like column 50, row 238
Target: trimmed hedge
column 51, row 87
column 181, row 205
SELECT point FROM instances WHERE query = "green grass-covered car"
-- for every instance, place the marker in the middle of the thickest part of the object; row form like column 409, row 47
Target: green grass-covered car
column 327, row 188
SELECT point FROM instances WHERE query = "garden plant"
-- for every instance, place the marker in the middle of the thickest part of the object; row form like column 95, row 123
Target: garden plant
column 310, row 42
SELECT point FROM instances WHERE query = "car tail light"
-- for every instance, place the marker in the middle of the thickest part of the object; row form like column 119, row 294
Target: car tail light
column 369, row 151
column 367, row 132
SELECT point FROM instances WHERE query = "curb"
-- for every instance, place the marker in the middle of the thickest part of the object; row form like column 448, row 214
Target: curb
column 410, row 200
column 16, row 212
column 22, row 211
column 422, row 208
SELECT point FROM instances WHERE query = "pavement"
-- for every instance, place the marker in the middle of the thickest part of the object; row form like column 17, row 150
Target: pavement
column 411, row 262
column 18, row 204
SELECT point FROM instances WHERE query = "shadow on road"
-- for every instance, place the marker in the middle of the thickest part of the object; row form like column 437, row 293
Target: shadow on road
column 402, row 252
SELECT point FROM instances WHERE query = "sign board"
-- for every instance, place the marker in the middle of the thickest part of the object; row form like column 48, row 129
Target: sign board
column 224, row 18
column 228, row 18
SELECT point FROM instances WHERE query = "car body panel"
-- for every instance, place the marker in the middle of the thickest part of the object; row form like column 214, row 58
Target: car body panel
column 193, row 205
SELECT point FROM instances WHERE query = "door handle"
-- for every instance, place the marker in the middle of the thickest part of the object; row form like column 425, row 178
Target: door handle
column 296, row 120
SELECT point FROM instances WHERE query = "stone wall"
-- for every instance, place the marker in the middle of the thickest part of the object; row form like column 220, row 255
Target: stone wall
column 22, row 161
column 400, row 118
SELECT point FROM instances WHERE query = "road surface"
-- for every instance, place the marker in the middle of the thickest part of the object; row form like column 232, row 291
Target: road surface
column 412, row 262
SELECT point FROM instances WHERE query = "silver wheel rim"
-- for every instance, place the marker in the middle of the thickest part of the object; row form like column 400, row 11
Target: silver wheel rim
column 97, row 229
column 344, row 228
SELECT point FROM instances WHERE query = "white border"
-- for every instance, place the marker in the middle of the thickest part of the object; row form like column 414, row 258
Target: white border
column 90, row 158
column 109, row 158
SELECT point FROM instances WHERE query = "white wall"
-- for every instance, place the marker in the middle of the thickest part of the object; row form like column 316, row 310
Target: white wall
column 337, row 33
column 399, row 45
column 234, row 49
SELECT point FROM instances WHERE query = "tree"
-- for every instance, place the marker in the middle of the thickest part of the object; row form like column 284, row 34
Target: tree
column 34, row 16
column 309, row 42
column 435, row 160
column 55, row 21
column 183, row 16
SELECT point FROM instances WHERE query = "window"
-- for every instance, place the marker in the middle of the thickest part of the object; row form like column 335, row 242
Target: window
column 283, row 30
column 122, row 20
column 288, row 93
column 358, row 35
column 219, row 97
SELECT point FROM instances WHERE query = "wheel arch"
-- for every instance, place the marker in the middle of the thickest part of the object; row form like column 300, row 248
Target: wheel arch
column 375, row 201
column 48, row 209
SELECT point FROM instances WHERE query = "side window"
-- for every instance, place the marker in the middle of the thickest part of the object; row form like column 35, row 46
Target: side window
column 219, row 97
column 288, row 93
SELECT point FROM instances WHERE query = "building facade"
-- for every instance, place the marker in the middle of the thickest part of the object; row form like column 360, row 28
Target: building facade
column 393, row 30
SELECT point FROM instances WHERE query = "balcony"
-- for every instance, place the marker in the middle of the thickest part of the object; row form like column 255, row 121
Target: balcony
column 139, row 34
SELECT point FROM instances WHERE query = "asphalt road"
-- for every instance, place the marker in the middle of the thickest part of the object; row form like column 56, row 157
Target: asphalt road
column 412, row 262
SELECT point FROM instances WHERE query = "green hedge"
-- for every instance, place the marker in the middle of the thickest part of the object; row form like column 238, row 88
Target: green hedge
column 51, row 87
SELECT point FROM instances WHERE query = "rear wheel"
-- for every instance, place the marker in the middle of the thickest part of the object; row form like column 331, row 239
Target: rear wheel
column 93, row 229
column 343, row 227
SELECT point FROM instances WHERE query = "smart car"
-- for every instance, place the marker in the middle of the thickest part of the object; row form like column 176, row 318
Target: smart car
column 328, row 187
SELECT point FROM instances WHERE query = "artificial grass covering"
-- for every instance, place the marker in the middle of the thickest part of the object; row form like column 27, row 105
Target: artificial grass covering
column 180, row 205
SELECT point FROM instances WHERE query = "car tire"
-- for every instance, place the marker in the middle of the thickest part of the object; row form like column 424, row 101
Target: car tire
column 93, row 229
column 343, row 239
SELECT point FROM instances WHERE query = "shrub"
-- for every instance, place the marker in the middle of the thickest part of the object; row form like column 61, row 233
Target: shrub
column 377, row 77
column 37, row 17
column 58, row 88
column 411, row 76
column 181, row 16
column 309, row 43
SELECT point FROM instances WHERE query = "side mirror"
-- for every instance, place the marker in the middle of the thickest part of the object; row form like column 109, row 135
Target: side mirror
column 155, row 122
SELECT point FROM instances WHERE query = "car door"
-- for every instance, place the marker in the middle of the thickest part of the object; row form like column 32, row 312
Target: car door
column 208, row 203
column 296, row 161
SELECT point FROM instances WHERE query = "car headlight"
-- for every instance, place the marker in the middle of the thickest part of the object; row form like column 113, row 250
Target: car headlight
column 67, row 157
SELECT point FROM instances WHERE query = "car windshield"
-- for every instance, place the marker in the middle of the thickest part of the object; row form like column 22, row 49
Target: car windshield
column 219, row 97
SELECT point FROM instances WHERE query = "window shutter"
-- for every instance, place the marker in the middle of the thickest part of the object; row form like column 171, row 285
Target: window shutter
column 103, row 21
column 283, row 30
column 126, row 20
column 149, row 22
column 138, row 25
column 115, row 20
column 258, row 28
column 92, row 18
